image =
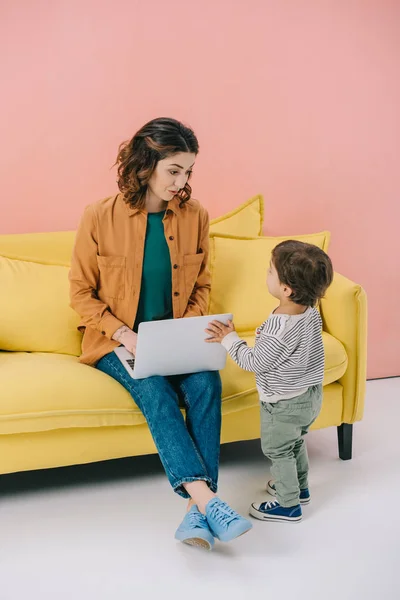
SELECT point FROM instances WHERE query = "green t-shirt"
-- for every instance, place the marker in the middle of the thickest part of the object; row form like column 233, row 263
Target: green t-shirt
column 155, row 302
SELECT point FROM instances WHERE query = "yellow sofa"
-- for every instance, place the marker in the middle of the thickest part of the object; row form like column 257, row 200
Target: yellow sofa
column 55, row 411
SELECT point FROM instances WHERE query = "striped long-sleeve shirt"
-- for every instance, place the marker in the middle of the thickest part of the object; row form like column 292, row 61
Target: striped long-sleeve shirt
column 288, row 355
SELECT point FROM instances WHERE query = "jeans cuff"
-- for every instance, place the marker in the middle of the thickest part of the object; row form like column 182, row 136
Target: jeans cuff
column 180, row 490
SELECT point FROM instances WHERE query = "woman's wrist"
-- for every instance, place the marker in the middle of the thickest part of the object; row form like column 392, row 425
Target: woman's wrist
column 120, row 332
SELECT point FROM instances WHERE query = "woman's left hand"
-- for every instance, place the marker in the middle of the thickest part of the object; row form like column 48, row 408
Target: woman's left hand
column 217, row 331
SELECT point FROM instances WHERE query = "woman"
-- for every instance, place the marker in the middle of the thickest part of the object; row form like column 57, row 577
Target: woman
column 142, row 256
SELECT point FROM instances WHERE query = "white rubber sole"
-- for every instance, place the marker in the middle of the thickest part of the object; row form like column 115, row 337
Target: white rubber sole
column 198, row 543
column 272, row 492
column 263, row 517
column 304, row 502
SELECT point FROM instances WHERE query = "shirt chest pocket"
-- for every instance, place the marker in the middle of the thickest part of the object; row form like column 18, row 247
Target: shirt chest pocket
column 112, row 276
column 191, row 266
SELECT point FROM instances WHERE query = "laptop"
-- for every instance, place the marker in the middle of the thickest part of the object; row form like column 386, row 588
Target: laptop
column 174, row 347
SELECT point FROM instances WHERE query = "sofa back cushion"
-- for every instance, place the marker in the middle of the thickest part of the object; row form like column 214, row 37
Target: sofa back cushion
column 247, row 219
column 53, row 248
column 35, row 315
column 239, row 273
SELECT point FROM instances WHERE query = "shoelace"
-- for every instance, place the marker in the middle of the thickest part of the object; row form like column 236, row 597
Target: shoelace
column 223, row 514
column 268, row 505
column 196, row 519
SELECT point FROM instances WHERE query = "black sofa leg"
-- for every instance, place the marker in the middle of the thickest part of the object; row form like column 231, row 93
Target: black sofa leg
column 345, row 441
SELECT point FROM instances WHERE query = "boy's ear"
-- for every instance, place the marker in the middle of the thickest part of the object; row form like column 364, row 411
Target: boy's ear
column 287, row 291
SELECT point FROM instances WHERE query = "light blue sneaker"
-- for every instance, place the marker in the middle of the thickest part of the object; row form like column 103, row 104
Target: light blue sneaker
column 194, row 530
column 225, row 523
column 305, row 496
column 273, row 511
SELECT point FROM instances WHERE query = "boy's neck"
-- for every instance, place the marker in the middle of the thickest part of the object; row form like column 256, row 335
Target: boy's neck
column 287, row 307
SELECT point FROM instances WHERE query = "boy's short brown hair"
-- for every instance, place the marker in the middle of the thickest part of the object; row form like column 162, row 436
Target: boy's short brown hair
column 305, row 268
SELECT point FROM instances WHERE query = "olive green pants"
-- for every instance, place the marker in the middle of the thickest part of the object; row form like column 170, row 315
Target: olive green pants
column 283, row 427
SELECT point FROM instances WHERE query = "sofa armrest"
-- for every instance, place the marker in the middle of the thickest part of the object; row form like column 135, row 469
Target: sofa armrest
column 344, row 315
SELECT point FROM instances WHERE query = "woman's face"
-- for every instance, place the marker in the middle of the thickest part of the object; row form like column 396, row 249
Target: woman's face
column 171, row 175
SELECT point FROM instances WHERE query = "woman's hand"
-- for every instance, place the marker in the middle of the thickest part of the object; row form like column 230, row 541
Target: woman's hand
column 217, row 331
column 127, row 338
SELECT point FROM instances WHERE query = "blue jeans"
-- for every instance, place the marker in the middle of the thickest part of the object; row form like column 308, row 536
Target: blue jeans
column 188, row 448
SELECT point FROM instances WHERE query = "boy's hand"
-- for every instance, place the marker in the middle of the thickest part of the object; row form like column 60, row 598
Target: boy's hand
column 217, row 331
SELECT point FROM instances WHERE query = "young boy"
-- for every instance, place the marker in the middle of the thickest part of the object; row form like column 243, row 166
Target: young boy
column 288, row 361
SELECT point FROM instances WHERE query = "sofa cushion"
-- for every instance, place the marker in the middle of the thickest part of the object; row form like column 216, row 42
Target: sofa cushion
column 34, row 309
column 56, row 391
column 239, row 273
column 41, row 392
column 247, row 219
column 46, row 248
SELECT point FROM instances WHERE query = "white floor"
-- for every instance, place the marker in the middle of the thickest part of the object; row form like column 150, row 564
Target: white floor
column 107, row 531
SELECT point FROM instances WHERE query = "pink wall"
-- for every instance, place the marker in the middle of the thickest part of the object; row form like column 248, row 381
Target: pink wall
column 298, row 100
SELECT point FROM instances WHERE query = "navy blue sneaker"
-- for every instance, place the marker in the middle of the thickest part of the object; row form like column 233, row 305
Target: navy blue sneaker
column 194, row 530
column 273, row 511
column 224, row 522
column 305, row 496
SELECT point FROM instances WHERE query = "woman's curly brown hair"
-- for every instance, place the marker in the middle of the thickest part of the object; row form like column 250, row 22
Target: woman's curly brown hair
column 138, row 158
column 305, row 268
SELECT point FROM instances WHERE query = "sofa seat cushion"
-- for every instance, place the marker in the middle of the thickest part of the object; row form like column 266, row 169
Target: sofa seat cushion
column 43, row 391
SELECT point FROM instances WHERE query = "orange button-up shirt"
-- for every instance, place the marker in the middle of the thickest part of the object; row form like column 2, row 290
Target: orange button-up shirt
column 107, row 262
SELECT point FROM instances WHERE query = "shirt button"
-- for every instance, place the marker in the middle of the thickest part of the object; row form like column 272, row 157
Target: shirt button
column 171, row 237
column 176, row 293
column 175, row 266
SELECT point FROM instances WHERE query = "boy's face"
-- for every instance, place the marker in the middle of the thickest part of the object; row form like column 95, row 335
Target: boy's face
column 273, row 283
column 275, row 287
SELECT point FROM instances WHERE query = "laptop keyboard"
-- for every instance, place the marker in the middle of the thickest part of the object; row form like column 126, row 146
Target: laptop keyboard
column 131, row 362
